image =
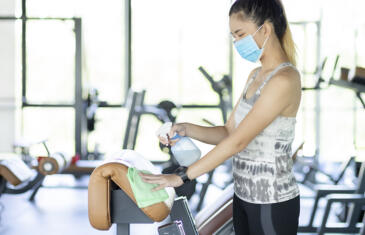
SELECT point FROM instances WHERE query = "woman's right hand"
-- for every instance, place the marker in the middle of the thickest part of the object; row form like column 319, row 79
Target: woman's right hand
column 178, row 128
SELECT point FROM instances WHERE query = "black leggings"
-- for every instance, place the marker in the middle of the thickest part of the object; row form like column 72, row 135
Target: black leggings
column 266, row 219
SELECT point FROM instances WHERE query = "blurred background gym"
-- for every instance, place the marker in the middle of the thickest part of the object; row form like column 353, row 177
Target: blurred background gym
column 82, row 79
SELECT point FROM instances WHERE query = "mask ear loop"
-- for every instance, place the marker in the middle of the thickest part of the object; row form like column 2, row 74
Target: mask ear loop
column 263, row 45
column 257, row 30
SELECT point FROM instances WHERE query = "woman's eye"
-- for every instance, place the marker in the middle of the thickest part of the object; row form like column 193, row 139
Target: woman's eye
column 241, row 35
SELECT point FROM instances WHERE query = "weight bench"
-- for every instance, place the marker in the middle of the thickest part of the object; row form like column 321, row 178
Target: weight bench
column 13, row 170
column 111, row 200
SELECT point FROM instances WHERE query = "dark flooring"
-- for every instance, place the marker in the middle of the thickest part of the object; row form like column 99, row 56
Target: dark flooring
column 61, row 209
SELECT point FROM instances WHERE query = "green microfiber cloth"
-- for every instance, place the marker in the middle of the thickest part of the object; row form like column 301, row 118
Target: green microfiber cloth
column 142, row 190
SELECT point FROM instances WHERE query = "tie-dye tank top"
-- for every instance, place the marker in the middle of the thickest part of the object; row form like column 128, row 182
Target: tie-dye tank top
column 262, row 171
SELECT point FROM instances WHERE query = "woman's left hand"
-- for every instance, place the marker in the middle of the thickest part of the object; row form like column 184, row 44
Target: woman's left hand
column 164, row 180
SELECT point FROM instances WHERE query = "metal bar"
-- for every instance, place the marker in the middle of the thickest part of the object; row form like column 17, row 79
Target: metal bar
column 36, row 181
column 130, row 105
column 360, row 98
column 35, row 191
column 318, row 98
column 362, row 232
column 111, row 105
column 70, row 105
column 49, row 105
column 230, row 60
column 223, row 109
column 24, row 50
column 199, row 106
column 140, row 101
column 9, row 18
column 51, row 18
column 361, row 183
column 192, row 106
column 322, row 228
column 2, row 184
column 128, row 46
column 204, row 190
column 354, row 214
column 80, row 120
column 314, row 210
column 123, row 229
column 34, row 18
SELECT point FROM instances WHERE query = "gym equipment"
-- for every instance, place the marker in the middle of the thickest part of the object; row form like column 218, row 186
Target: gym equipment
column 342, row 194
column 311, row 162
column 54, row 164
column 314, row 169
column 136, row 107
column 217, row 217
column 357, row 84
column 180, row 212
column 22, row 147
column 133, row 105
column 319, row 76
column 16, row 177
column 111, row 200
column 223, row 88
column 18, row 174
column 14, row 170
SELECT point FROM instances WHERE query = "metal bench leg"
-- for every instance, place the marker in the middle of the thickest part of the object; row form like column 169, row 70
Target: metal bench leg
column 322, row 228
column 362, row 232
column 314, row 210
column 35, row 191
column 204, row 189
column 122, row 229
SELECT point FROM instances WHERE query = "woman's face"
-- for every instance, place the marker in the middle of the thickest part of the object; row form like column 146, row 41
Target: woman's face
column 241, row 26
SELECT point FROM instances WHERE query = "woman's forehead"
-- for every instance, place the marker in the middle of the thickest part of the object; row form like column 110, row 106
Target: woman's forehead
column 237, row 22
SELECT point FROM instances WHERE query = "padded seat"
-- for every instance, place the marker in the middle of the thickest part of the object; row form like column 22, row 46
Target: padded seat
column 14, row 170
column 115, row 171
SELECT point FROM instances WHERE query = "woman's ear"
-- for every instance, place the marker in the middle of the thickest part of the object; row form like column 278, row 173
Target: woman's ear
column 267, row 28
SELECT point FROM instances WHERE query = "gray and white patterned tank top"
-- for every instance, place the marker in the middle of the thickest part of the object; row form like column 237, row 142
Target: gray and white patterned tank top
column 262, row 171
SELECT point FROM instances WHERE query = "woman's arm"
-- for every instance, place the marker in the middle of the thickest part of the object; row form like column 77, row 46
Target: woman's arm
column 275, row 97
column 208, row 135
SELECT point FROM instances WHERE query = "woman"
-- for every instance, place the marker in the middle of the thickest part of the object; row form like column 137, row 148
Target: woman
column 260, row 130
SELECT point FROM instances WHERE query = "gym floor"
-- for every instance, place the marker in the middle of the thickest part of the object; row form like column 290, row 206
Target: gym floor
column 61, row 208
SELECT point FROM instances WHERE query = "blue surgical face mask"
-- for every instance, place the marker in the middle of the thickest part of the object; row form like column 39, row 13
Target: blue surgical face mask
column 248, row 48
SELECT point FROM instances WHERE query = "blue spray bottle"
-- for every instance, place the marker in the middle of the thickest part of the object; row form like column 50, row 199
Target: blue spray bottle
column 185, row 151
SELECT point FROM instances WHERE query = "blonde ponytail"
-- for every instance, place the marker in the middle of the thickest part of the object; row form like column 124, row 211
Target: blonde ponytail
column 287, row 43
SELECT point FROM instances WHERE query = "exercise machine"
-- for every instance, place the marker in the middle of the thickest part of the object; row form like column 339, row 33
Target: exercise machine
column 111, row 200
column 309, row 164
column 16, row 177
column 223, row 88
column 351, row 196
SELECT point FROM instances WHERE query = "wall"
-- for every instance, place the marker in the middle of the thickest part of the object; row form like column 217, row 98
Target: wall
column 7, row 77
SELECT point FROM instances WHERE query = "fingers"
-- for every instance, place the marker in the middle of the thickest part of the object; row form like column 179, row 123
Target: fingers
column 152, row 179
column 173, row 142
column 163, row 181
column 161, row 186
column 175, row 129
column 163, row 140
